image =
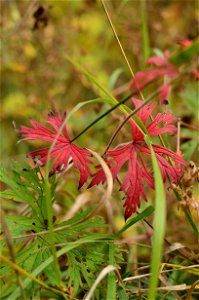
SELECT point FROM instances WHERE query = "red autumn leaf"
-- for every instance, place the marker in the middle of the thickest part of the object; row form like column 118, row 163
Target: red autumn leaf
column 132, row 154
column 162, row 68
column 164, row 92
column 62, row 150
column 159, row 60
column 185, row 43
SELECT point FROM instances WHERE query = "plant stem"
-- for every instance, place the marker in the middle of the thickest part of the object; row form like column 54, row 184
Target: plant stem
column 145, row 36
column 124, row 122
column 102, row 116
column 111, row 286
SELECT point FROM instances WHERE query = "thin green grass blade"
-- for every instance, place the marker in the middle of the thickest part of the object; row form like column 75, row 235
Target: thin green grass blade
column 91, row 78
column 192, row 223
column 121, row 294
column 114, row 78
column 111, row 286
column 118, row 104
column 189, row 217
column 110, row 100
column 103, row 90
column 145, row 213
column 145, row 36
column 49, row 209
column 81, row 104
column 159, row 224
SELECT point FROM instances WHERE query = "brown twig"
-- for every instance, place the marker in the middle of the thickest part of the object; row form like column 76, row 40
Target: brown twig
column 189, row 126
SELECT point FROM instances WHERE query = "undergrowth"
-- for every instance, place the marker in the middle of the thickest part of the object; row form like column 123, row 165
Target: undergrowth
column 112, row 236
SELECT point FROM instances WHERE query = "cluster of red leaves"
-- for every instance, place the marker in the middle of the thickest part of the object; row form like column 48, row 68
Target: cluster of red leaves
column 132, row 153
column 161, row 67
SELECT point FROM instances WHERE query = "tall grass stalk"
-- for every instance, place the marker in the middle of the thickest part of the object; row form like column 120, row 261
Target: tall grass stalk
column 111, row 286
column 145, row 35
column 159, row 224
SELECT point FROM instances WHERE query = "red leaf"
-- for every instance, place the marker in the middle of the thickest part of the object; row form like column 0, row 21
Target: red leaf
column 185, row 43
column 163, row 68
column 63, row 149
column 165, row 90
column 133, row 153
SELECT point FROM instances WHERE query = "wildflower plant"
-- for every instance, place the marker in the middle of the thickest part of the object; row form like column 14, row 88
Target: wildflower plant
column 133, row 152
column 65, row 241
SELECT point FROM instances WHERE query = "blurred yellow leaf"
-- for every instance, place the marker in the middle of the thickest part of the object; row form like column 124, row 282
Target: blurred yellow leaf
column 16, row 104
column 17, row 67
column 30, row 51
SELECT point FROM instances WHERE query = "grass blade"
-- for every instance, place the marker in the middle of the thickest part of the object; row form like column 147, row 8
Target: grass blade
column 145, row 36
column 145, row 213
column 191, row 221
column 114, row 78
column 111, row 286
column 159, row 224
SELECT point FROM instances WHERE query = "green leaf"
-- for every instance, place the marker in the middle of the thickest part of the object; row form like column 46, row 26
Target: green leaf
column 114, row 77
column 145, row 34
column 7, row 289
column 159, row 224
column 189, row 148
column 145, row 213
column 21, row 184
column 47, row 262
column 85, row 262
column 111, row 285
column 103, row 90
column 20, row 224
column 76, row 219
column 50, row 271
column 186, row 54
column 192, row 223
column 81, row 104
column 121, row 293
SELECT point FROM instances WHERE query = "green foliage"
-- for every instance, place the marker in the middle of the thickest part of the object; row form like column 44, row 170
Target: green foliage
column 185, row 55
column 149, row 210
column 84, row 264
column 159, row 224
column 54, row 246
column 30, row 236
column 27, row 185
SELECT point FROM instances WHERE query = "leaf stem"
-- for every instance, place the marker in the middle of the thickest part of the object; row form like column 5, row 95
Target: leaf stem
column 102, row 116
column 111, row 285
column 51, row 233
column 128, row 117
column 124, row 122
column 145, row 36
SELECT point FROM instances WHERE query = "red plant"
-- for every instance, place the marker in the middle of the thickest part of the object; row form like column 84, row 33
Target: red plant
column 62, row 150
column 162, row 68
column 185, row 43
column 132, row 152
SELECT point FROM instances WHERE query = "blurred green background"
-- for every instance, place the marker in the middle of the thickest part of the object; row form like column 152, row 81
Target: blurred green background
column 38, row 36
